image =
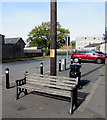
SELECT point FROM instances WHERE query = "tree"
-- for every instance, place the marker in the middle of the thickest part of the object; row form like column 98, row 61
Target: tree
column 73, row 44
column 40, row 35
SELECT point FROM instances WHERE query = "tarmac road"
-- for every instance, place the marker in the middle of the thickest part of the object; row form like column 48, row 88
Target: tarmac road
column 17, row 69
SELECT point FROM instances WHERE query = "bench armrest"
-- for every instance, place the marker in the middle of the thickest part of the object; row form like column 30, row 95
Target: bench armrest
column 21, row 82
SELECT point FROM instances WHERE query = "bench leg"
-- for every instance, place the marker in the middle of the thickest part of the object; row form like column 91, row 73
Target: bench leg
column 75, row 96
column 73, row 99
column 72, row 104
column 25, row 91
column 19, row 91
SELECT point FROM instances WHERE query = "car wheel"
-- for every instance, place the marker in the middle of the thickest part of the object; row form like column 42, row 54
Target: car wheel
column 99, row 60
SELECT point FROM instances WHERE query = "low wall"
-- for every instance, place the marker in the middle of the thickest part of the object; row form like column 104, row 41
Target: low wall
column 33, row 54
column 16, row 51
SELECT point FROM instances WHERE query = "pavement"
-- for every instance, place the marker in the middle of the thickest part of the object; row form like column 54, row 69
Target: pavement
column 92, row 104
column 91, row 101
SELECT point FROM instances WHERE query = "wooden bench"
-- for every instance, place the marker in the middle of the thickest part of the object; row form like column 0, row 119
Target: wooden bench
column 53, row 85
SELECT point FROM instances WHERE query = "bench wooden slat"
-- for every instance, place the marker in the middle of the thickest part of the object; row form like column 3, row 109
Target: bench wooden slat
column 66, row 83
column 68, row 87
column 44, row 81
column 49, row 90
column 53, row 85
column 53, row 80
column 50, row 79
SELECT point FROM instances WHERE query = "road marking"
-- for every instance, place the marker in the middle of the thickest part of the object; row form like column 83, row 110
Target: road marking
column 92, row 91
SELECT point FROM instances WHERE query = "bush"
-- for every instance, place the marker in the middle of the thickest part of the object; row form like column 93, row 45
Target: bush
column 46, row 51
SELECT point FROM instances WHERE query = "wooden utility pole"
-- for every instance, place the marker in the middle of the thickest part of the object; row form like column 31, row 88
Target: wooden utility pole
column 105, row 39
column 53, row 36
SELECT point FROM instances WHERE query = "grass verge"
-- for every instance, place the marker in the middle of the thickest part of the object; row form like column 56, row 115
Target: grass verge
column 24, row 59
column 101, row 75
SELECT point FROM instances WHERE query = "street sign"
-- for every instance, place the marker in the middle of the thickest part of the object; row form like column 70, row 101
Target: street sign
column 52, row 52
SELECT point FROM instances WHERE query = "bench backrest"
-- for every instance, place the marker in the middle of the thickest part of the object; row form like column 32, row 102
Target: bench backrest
column 52, row 81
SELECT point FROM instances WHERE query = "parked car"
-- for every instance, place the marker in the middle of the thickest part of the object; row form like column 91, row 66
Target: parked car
column 100, row 52
column 89, row 55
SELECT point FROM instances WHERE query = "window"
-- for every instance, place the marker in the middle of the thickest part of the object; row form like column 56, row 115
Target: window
column 81, row 52
column 88, row 52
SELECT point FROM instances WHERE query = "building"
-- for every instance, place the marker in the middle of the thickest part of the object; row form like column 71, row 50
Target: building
column 64, row 49
column 33, row 51
column 1, row 43
column 103, row 47
column 15, row 41
column 12, row 48
column 81, row 42
column 94, row 46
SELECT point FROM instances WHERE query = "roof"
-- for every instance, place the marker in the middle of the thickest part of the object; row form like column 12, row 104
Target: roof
column 2, row 35
column 104, row 42
column 83, row 51
column 93, row 45
column 12, row 40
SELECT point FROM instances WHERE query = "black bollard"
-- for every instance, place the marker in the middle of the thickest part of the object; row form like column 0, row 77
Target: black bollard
column 26, row 72
column 41, row 68
column 60, row 65
column 71, row 61
column 7, row 78
column 79, row 60
column 65, row 64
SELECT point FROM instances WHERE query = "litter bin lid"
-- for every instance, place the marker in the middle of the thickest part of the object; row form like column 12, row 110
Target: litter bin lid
column 75, row 65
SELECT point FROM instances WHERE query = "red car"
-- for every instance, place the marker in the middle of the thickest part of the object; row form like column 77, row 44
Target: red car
column 89, row 55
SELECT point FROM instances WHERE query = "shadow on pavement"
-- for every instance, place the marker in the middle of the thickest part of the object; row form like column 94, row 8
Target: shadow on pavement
column 51, row 96
column 92, row 71
column 80, row 99
column 81, row 96
column 84, row 82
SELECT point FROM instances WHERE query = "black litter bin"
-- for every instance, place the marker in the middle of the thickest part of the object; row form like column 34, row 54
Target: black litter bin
column 75, row 71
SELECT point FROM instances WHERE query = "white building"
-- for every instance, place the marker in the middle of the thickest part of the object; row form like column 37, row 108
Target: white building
column 103, row 47
column 81, row 42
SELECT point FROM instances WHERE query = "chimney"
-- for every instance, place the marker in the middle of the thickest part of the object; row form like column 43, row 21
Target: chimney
column 2, row 39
